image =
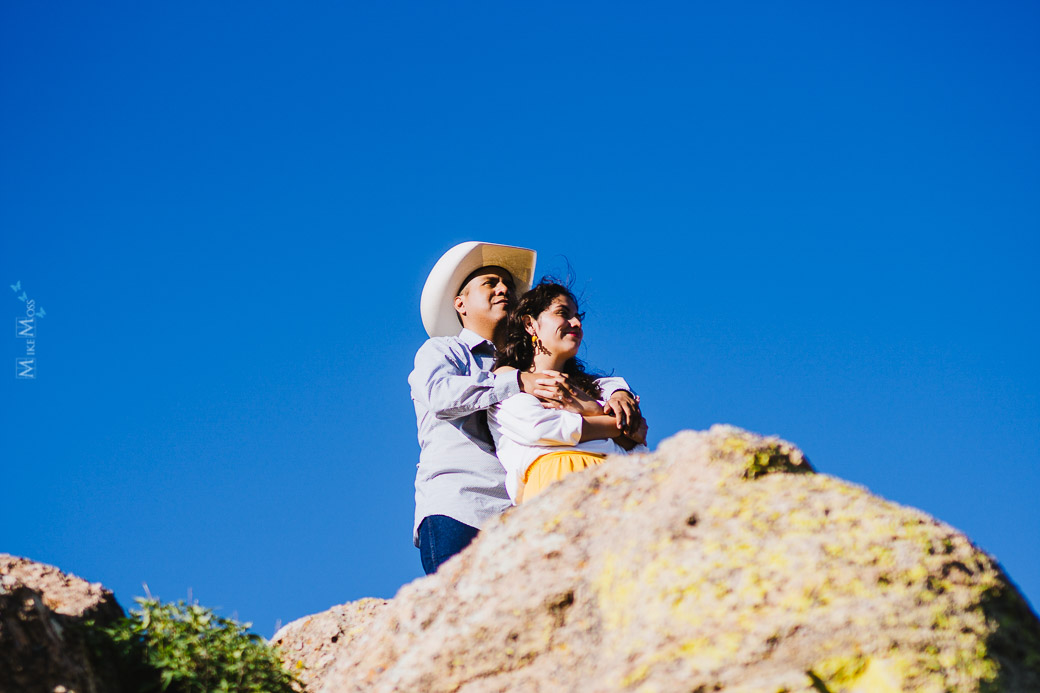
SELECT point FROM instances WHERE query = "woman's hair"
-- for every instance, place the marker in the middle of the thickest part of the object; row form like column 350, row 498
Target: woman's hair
column 518, row 351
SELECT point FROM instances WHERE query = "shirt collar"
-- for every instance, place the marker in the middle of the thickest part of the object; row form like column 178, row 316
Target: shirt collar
column 472, row 340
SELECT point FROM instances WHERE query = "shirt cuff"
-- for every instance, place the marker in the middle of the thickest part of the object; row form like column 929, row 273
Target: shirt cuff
column 612, row 384
column 506, row 385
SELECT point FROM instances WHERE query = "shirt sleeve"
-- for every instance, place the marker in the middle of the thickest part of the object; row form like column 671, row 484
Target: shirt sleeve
column 524, row 420
column 612, row 384
column 445, row 383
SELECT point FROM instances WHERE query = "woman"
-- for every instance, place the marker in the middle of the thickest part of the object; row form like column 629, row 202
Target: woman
column 537, row 445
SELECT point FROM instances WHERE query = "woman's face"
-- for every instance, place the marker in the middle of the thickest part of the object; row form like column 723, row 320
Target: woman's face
column 558, row 327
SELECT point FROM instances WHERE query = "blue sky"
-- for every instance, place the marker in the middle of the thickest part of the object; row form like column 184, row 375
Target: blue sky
column 807, row 220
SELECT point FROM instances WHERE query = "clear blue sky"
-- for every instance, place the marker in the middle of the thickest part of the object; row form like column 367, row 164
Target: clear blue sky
column 804, row 219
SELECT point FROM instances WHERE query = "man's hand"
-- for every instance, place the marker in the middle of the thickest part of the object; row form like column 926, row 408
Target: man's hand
column 639, row 435
column 624, row 407
column 557, row 392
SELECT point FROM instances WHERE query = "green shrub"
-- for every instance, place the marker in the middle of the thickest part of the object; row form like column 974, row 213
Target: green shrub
column 185, row 648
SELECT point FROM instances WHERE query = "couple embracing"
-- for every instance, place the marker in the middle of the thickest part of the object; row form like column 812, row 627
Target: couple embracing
column 503, row 405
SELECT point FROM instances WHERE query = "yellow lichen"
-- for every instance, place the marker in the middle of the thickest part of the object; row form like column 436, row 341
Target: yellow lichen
column 847, row 552
column 879, row 676
column 734, row 444
column 917, row 573
column 837, row 671
column 636, row 675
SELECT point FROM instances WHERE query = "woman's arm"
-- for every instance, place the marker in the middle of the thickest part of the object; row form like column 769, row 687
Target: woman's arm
column 522, row 419
column 622, row 404
column 553, row 390
column 599, row 427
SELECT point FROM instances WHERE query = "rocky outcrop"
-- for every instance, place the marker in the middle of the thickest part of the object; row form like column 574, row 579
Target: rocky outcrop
column 43, row 646
column 309, row 646
column 721, row 562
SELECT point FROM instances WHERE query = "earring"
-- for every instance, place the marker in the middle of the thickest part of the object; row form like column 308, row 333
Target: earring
column 539, row 348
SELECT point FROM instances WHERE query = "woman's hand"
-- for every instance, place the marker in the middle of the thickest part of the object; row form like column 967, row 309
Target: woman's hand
column 549, row 390
column 625, row 442
column 557, row 392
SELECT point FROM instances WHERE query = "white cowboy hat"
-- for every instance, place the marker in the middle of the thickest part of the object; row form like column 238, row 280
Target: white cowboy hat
column 437, row 304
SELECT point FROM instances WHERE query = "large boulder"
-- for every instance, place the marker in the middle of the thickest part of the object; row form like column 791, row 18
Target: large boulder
column 721, row 562
column 44, row 645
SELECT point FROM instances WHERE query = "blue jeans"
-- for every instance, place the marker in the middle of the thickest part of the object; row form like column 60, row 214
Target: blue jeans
column 440, row 538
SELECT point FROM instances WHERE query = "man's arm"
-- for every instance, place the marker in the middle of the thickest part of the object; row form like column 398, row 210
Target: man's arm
column 441, row 383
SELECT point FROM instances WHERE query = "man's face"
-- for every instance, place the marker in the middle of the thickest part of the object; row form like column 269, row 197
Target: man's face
column 486, row 298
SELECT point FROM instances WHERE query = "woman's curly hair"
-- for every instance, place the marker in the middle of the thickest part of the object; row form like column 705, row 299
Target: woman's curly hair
column 518, row 351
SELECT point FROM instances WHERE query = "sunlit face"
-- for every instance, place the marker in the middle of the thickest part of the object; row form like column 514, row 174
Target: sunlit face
column 487, row 297
column 558, row 327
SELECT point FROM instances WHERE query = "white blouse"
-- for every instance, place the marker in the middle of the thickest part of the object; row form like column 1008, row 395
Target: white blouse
column 523, row 431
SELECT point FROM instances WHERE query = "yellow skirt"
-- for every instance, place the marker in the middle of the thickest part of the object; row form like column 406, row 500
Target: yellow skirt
column 553, row 467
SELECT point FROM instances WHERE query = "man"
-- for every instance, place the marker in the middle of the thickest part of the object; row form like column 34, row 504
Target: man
column 460, row 484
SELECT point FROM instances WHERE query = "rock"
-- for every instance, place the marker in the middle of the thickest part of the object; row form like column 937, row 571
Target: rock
column 308, row 645
column 43, row 646
column 721, row 562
